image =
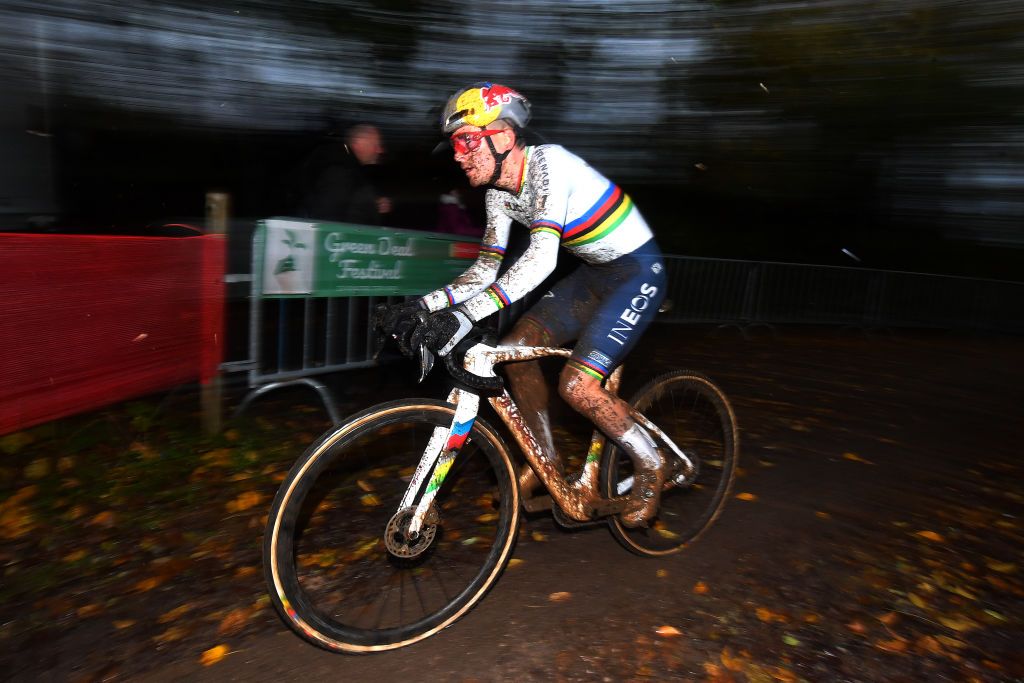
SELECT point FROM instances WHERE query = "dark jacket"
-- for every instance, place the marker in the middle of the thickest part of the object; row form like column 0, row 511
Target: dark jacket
column 339, row 188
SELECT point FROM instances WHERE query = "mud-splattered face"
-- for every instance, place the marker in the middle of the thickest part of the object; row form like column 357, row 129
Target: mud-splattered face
column 473, row 153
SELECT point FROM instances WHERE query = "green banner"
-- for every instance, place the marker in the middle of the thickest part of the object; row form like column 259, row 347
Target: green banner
column 300, row 258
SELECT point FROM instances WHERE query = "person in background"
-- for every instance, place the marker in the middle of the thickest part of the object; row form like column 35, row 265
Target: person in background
column 340, row 185
column 453, row 217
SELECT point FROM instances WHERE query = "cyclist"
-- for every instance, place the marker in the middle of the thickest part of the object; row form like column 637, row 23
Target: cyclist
column 605, row 304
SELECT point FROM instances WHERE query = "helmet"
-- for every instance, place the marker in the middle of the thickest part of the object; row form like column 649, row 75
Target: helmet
column 484, row 103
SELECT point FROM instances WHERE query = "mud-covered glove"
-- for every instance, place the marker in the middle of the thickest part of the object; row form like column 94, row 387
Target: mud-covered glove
column 399, row 320
column 442, row 331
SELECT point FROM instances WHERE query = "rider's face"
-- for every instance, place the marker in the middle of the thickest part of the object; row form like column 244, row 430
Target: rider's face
column 478, row 163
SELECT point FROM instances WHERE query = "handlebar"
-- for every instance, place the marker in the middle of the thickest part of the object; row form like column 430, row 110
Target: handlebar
column 453, row 362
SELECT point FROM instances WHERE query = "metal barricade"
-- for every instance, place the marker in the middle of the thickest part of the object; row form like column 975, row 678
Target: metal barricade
column 750, row 293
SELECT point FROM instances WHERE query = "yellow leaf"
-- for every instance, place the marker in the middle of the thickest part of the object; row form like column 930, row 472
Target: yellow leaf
column 173, row 634
column 931, row 536
column 917, row 601
column 961, row 624
column 244, row 501
column 213, row 655
column 929, row 644
column 104, row 519
column 538, row 536
column 561, row 596
column 853, row 457
column 895, row 645
column 88, row 610
column 487, row 517
column 122, row 624
column 514, row 562
column 661, row 573
column 729, row 662
column 364, row 485
column 37, row 469
column 1001, row 567
column 668, row 631
column 889, row 618
column 822, row 515
column 176, row 612
column 768, row 616
column 700, row 588
column 148, row 584
column 234, row 622
column 75, row 556
column 243, row 572
column 745, row 496
column 369, row 500
column 667, row 533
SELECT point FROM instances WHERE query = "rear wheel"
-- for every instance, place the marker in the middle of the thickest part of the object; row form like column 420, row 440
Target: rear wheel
column 697, row 417
column 343, row 571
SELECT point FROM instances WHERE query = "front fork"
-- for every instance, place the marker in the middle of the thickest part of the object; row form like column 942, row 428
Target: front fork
column 438, row 458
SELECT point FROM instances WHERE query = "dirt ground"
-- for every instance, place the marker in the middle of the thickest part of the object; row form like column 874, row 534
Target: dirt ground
column 875, row 534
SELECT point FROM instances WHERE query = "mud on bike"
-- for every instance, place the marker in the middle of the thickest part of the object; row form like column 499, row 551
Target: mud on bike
column 394, row 525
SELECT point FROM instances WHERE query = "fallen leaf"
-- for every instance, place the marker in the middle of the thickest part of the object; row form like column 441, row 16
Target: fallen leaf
column 895, row 645
column 538, row 536
column 561, row 596
column 931, row 536
column 929, row 644
column 176, row 612
column 234, row 622
column 889, row 618
column 37, row 469
column 1001, row 567
column 790, row 640
column 856, row 626
column 243, row 572
column 768, row 616
column 661, row 573
column 822, row 515
column 75, row 556
column 213, row 655
column 148, row 584
column 171, row 635
column 105, row 519
column 917, row 601
column 668, row 631
column 746, row 496
column 514, row 562
column 853, row 457
column 700, row 588
column 729, row 662
column 961, row 624
column 122, row 624
column 246, row 500
column 88, row 610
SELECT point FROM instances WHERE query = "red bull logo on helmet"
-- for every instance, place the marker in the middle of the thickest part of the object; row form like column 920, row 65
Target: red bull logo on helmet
column 483, row 105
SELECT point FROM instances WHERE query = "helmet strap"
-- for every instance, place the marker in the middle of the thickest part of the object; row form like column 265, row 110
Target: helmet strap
column 499, row 159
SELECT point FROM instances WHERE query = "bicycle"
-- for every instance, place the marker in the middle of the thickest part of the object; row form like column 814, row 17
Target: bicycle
column 374, row 542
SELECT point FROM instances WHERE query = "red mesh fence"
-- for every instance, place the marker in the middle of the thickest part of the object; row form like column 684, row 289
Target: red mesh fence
column 86, row 321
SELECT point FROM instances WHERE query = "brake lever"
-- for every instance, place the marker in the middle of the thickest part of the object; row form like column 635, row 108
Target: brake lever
column 426, row 361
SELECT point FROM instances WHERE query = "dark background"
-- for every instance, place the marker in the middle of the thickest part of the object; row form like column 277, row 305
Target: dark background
column 749, row 130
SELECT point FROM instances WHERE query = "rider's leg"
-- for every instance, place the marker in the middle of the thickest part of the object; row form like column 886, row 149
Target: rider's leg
column 610, row 414
column 530, row 392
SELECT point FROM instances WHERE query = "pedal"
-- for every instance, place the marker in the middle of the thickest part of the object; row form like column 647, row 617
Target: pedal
column 567, row 522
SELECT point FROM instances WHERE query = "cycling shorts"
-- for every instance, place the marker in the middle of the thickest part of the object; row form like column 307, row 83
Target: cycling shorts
column 606, row 307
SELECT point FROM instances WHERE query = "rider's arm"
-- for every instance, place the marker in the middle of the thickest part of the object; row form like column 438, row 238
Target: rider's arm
column 539, row 260
column 482, row 272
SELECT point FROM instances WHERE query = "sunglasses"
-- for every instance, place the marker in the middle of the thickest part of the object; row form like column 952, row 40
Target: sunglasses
column 463, row 143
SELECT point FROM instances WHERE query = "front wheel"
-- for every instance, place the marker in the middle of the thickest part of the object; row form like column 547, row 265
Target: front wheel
column 696, row 415
column 341, row 571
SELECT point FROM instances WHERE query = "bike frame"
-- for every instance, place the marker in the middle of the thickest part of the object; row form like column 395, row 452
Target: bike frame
column 580, row 499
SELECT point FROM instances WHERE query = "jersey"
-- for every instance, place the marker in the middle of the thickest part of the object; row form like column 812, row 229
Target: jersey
column 565, row 203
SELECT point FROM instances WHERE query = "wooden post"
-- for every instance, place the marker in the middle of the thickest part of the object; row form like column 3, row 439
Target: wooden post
column 218, row 211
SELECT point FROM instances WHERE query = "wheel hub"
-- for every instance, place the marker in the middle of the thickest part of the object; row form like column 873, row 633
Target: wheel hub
column 683, row 474
column 400, row 542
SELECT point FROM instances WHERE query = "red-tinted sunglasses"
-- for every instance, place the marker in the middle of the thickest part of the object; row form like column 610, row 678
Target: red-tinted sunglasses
column 464, row 143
